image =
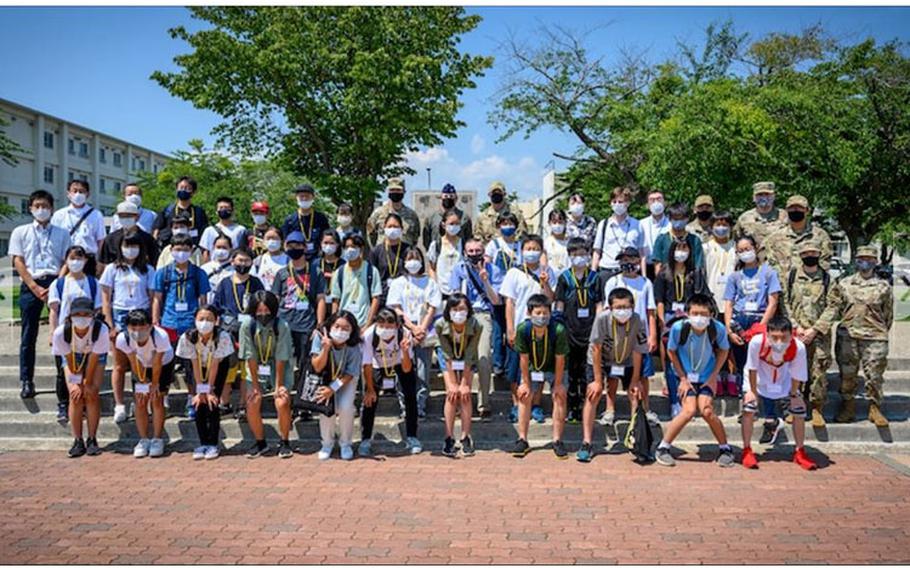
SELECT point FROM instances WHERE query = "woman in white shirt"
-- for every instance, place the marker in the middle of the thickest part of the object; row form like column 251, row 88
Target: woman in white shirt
column 446, row 252
column 555, row 243
column 416, row 299
column 125, row 286
column 208, row 347
column 219, row 267
column 266, row 266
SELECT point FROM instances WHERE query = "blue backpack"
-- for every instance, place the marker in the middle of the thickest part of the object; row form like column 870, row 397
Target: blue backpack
column 92, row 285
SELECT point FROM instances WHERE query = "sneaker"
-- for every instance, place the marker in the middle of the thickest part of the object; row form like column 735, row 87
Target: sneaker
column 240, row 414
column 141, row 449
column 559, row 450
column 63, row 413
column 726, row 458
column 467, row 446
column 537, row 415
column 325, row 452
column 750, row 461
column 91, row 447
column 653, row 420
column 448, row 449
column 257, row 450
column 211, row 452
column 347, row 453
column 771, row 430
column 486, row 414
column 365, row 449
column 585, row 453
column 664, row 457
column 675, row 409
column 521, row 448
column 225, row 409
column 190, row 409
column 199, row 453
column 78, row 449
column 803, row 460
column 413, row 445
column 513, row 415
column 608, row 418
column 120, row 414
column 156, row 448
column 284, row 449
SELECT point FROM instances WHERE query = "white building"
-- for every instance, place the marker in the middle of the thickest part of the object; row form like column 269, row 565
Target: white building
column 55, row 151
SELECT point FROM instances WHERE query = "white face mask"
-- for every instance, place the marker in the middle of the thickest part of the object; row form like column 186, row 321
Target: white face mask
column 180, row 231
column 127, row 222
column 221, row 254
column 82, row 322
column 78, row 199
column 393, row 233
column 579, row 261
column 344, row 220
column 557, row 229
column 205, row 326
column 699, row 322
column 304, row 203
column 339, row 335
column 746, row 256
column 180, row 256
column 385, row 333
column 681, row 255
column 459, row 316
column 260, row 219
column 329, row 249
column 453, row 229
column 41, row 214
column 75, row 265
column 656, row 207
column 778, row 346
column 129, row 253
column 413, row 266
column 577, row 209
column 623, row 315
column 273, row 245
column 135, row 199
column 351, row 254
column 620, row 207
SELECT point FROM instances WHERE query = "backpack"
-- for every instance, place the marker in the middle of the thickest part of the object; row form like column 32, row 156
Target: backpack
column 712, row 335
column 369, row 269
column 92, row 286
column 192, row 269
column 791, row 279
column 590, row 282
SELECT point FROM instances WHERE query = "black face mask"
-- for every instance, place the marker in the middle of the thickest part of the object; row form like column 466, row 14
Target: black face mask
column 295, row 254
column 475, row 259
column 225, row 213
column 448, row 203
column 704, row 215
column 629, row 267
column 497, row 198
column 242, row 268
column 810, row 261
column 796, row 216
column 396, row 197
column 264, row 320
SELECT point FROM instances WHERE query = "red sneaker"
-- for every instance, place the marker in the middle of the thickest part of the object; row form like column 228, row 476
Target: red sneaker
column 802, row 460
column 749, row 459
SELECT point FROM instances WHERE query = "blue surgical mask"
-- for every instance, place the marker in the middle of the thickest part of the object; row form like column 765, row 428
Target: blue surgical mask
column 865, row 265
column 531, row 256
column 678, row 224
column 350, row 254
column 764, row 200
column 507, row 231
column 721, row 231
column 540, row 321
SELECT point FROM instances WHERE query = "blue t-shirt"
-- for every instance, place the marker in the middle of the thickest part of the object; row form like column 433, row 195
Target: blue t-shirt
column 462, row 280
column 180, row 291
column 697, row 355
column 750, row 288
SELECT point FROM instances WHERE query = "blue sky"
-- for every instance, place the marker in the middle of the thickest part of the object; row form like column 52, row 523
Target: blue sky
column 91, row 66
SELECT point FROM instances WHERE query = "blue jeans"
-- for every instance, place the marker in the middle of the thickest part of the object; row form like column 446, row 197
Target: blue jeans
column 120, row 319
column 499, row 342
column 672, row 382
column 30, row 308
column 741, row 352
column 422, row 367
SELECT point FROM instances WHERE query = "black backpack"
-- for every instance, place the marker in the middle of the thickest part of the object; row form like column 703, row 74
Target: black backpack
column 687, row 329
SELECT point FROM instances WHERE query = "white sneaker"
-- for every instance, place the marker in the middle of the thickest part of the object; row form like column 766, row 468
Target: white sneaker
column 120, row 413
column 199, row 453
column 325, row 452
column 347, row 453
column 211, row 452
column 156, row 448
column 608, row 418
column 141, row 449
column 675, row 409
column 653, row 420
column 414, row 445
column 166, row 402
column 365, row 450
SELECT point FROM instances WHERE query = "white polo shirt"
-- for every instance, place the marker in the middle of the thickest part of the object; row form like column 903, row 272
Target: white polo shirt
column 613, row 236
column 158, row 342
column 89, row 232
column 235, row 232
column 652, row 229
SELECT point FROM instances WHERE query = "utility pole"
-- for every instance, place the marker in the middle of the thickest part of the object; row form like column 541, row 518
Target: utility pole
column 429, row 185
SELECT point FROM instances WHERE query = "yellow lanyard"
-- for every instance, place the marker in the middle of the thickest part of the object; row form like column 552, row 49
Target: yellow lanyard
column 389, row 370
column 393, row 268
column 336, row 373
column 464, row 342
column 625, row 343
column 301, row 290
column 240, row 300
column 268, row 348
column 679, row 286
column 534, row 364
column 308, row 234
column 581, row 291
column 506, row 258
column 72, row 358
column 701, row 356
column 137, row 369
column 208, row 365
column 181, row 278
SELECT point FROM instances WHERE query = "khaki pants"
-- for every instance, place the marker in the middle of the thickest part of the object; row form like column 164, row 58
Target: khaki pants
column 484, row 359
column 852, row 353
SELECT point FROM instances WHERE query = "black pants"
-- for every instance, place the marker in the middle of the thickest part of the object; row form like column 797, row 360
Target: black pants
column 63, row 394
column 30, row 307
column 577, row 362
column 301, row 341
column 408, row 382
column 208, row 420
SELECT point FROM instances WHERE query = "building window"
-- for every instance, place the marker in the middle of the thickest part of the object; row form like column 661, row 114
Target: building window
column 71, row 145
column 71, row 176
column 48, row 174
column 117, row 160
column 102, row 156
column 83, row 149
column 116, row 187
column 49, row 140
column 101, row 184
column 83, row 177
column 4, row 247
column 23, row 207
column 141, row 165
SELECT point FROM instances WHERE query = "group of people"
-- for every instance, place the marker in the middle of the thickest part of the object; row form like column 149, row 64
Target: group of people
column 739, row 308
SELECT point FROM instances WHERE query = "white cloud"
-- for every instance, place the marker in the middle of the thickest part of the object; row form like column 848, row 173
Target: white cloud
column 477, row 144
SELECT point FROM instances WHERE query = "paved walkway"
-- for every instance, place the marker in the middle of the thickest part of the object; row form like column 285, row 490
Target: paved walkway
column 427, row 509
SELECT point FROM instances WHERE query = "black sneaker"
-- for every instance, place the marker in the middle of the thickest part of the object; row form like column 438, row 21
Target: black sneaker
column 78, row 449
column 449, row 448
column 521, row 448
column 559, row 449
column 91, row 447
column 28, row 390
column 467, row 446
column 225, row 409
column 284, row 449
column 63, row 413
column 258, row 449
column 240, row 414
column 771, row 430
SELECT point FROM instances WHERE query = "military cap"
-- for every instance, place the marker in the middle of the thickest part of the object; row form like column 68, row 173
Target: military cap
column 497, row 186
column 704, row 200
column 810, row 245
column 867, row 250
column 762, row 187
column 797, row 200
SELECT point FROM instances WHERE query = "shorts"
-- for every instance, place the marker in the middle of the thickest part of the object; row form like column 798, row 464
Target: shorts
column 699, row 389
column 548, row 378
column 647, row 371
column 776, row 408
column 120, row 319
column 164, row 380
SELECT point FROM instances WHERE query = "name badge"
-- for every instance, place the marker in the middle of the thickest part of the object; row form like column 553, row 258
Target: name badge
column 181, row 307
column 388, row 384
column 617, row 371
column 265, row 370
column 722, row 279
column 537, row 377
column 194, row 232
column 141, row 388
column 679, row 307
column 458, row 365
column 584, row 313
column 751, row 306
column 310, row 246
column 76, row 379
column 302, row 305
column 203, row 389
column 693, row 377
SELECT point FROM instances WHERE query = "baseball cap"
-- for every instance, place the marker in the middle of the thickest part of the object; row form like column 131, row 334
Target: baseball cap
column 127, row 208
column 295, row 237
column 704, row 200
column 798, row 201
column 762, row 187
column 628, row 251
column 82, row 305
column 259, row 207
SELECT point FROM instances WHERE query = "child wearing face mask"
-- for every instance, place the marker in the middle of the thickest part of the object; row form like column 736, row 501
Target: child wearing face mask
column 179, row 227
column 80, row 344
column 149, row 355
column 345, row 222
column 446, row 252
column 273, row 259
column 356, row 286
column 459, row 336
column 502, row 253
column 259, row 211
column 329, row 260
column 208, row 349
column 337, row 355
column 554, row 245
column 267, row 349
column 219, row 266
column 126, row 285
column 225, row 227
column 388, row 255
column 73, row 283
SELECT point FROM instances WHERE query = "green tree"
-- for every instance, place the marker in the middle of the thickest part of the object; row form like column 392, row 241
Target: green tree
column 8, row 150
column 338, row 94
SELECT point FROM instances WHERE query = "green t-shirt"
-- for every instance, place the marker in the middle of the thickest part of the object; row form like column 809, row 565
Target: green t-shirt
column 546, row 351
column 280, row 350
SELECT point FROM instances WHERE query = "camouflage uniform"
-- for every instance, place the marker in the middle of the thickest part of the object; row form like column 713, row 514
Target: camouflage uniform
column 486, row 222
column 759, row 226
column 695, row 227
column 782, row 246
column 865, row 308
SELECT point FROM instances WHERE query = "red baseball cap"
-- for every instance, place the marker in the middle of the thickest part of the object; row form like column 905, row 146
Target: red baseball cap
column 259, row 207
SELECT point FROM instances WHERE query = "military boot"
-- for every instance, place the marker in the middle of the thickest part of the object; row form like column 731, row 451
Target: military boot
column 818, row 419
column 847, row 412
column 876, row 416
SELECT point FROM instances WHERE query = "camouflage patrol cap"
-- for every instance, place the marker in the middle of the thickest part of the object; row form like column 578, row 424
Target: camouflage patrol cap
column 797, row 201
column 809, row 246
column 762, row 187
column 867, row 250
column 704, row 200
column 497, row 186
column 395, row 183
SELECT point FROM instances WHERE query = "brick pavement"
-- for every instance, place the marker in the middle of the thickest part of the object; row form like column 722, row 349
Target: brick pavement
column 427, row 509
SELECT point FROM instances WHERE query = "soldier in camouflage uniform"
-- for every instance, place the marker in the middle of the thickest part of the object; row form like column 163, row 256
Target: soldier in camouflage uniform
column 410, row 221
column 863, row 303
column 805, row 291
column 486, row 222
column 782, row 246
column 701, row 225
column 763, row 219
